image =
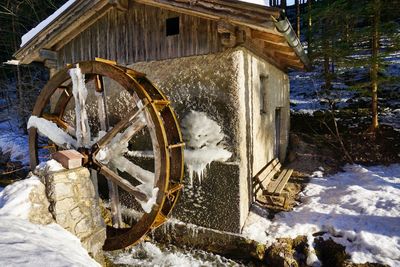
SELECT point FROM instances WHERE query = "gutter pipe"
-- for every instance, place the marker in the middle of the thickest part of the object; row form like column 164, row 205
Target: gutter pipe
column 283, row 25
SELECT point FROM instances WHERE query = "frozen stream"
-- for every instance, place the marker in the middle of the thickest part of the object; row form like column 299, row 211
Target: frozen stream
column 153, row 254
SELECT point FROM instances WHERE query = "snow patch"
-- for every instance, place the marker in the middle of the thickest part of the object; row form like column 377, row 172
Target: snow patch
column 14, row 199
column 25, row 244
column 50, row 166
column 203, row 138
column 51, row 131
column 33, row 32
column 358, row 208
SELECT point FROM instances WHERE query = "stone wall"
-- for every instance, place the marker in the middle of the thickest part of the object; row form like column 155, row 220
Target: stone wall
column 265, row 89
column 226, row 87
column 70, row 197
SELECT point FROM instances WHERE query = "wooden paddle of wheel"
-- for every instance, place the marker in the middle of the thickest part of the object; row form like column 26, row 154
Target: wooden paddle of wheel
column 149, row 111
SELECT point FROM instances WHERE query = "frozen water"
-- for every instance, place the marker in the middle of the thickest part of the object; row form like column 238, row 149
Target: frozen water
column 113, row 155
column 52, row 131
column 203, row 138
column 150, row 254
column 358, row 208
column 80, row 93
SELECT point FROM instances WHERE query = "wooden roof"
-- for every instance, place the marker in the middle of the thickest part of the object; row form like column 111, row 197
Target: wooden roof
column 258, row 22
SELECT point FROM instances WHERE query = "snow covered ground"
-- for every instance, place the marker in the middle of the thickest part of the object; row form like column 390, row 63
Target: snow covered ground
column 26, row 244
column 358, row 208
column 307, row 95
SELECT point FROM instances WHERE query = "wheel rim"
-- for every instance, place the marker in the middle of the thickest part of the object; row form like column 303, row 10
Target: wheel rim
column 161, row 123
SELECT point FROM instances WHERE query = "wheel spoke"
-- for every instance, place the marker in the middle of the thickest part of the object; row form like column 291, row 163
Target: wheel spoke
column 60, row 123
column 140, row 174
column 137, row 121
column 124, row 184
column 53, row 132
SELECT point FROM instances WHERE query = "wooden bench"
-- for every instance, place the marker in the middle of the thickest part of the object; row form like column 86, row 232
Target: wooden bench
column 270, row 181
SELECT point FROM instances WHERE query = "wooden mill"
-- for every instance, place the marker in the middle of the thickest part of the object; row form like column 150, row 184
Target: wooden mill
column 222, row 68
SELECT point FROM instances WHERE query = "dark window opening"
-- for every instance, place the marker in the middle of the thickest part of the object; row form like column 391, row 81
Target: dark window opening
column 263, row 92
column 172, row 26
column 278, row 125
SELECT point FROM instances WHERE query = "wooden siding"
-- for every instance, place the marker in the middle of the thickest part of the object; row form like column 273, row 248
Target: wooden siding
column 139, row 34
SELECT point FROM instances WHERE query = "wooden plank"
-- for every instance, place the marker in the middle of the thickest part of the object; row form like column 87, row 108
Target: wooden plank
column 265, row 36
column 276, row 186
column 124, row 184
column 283, row 47
column 265, row 182
column 263, row 177
column 283, row 182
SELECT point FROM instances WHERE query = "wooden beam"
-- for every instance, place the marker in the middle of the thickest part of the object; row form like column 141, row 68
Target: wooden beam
column 264, row 54
column 79, row 16
column 265, row 36
column 277, row 47
column 219, row 9
column 297, row 64
column 290, row 55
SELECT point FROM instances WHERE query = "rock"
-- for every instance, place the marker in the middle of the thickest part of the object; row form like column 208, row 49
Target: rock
column 281, row 253
column 39, row 213
column 73, row 204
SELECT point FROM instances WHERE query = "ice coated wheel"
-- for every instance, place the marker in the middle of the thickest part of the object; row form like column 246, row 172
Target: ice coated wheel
column 114, row 116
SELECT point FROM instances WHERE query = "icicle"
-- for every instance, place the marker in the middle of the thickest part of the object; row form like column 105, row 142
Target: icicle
column 203, row 138
column 80, row 95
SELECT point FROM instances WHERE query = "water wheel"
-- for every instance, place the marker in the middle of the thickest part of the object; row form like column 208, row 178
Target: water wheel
column 84, row 101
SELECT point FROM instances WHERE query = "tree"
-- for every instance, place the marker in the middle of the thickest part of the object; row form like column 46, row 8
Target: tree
column 298, row 20
column 349, row 34
column 16, row 18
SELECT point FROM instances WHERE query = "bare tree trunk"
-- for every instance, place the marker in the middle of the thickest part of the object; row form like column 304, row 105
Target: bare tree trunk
column 309, row 32
column 375, row 65
column 20, row 95
column 297, row 17
column 283, row 5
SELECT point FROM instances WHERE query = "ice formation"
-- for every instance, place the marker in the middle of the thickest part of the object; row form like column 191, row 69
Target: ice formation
column 203, row 138
column 80, row 93
column 113, row 155
column 51, row 131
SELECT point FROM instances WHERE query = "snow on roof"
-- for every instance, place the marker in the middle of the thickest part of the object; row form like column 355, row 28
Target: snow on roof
column 33, row 32
column 258, row 2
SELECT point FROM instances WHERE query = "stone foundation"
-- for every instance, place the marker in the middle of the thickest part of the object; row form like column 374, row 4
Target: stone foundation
column 73, row 204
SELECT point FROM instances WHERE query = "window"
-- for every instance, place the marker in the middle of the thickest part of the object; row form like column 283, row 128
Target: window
column 263, row 93
column 172, row 26
column 278, row 125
